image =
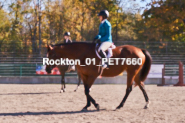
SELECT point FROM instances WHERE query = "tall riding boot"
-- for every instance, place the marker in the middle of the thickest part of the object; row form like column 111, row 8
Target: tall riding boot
column 106, row 65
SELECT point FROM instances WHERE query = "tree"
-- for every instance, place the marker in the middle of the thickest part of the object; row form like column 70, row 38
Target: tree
column 164, row 20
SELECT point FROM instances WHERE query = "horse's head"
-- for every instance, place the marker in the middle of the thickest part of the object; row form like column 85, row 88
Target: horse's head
column 51, row 55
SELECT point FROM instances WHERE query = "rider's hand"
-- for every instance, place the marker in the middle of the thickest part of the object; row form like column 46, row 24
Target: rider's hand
column 94, row 40
column 97, row 38
column 98, row 41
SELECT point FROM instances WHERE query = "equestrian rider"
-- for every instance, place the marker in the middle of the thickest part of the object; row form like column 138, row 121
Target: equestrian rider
column 67, row 39
column 104, row 35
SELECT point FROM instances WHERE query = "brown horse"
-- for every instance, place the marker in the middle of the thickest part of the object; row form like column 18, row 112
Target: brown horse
column 89, row 73
column 63, row 69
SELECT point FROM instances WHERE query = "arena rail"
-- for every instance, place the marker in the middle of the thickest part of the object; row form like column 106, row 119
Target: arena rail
column 26, row 69
column 173, row 72
column 16, row 53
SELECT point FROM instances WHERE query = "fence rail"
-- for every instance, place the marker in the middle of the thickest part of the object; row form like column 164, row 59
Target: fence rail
column 28, row 69
column 19, row 60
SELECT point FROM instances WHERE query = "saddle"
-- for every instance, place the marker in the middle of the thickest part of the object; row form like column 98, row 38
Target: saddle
column 108, row 51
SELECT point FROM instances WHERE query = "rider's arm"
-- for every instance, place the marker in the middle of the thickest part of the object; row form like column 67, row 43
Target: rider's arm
column 108, row 32
column 98, row 36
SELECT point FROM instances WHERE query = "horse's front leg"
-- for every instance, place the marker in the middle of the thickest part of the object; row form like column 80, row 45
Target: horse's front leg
column 88, row 98
column 62, row 84
column 79, row 81
column 87, row 85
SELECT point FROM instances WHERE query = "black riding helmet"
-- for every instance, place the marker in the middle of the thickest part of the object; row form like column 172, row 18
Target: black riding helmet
column 104, row 13
column 67, row 34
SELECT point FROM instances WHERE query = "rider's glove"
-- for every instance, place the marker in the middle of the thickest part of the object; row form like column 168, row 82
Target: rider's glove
column 94, row 40
column 97, row 38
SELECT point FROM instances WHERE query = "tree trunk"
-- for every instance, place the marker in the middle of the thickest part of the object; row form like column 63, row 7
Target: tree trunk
column 40, row 41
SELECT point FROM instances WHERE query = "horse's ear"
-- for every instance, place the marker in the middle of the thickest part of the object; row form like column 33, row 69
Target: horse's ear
column 49, row 47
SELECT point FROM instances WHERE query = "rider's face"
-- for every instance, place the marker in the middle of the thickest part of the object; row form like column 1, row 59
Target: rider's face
column 66, row 37
column 101, row 18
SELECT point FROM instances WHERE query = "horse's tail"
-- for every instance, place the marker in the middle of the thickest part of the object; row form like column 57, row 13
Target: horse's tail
column 147, row 65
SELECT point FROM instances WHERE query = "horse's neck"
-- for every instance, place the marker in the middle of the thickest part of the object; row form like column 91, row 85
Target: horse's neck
column 75, row 51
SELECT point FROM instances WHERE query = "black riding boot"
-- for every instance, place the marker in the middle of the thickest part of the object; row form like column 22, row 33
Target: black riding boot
column 104, row 56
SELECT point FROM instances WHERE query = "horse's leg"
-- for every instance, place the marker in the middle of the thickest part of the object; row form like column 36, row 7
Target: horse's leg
column 145, row 95
column 87, row 85
column 61, row 85
column 141, row 86
column 130, row 79
column 62, row 82
column 79, row 81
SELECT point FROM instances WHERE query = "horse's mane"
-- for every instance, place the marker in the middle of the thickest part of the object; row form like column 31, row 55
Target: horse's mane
column 61, row 44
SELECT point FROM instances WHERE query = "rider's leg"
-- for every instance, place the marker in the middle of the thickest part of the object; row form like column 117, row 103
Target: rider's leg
column 103, row 47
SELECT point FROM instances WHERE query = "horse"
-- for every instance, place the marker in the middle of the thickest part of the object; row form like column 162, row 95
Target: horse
column 88, row 73
column 63, row 69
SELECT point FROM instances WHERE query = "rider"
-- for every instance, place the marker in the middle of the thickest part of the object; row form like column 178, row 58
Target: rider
column 67, row 37
column 104, row 35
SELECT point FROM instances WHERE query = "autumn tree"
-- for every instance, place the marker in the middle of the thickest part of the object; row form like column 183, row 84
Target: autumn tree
column 163, row 21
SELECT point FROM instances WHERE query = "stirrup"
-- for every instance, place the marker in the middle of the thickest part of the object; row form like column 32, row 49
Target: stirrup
column 105, row 66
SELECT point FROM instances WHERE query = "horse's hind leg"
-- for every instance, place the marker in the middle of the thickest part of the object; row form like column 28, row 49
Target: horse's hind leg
column 130, row 79
column 141, row 86
column 145, row 95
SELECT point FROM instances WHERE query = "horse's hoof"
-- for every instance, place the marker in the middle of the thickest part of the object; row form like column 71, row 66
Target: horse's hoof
column 97, row 107
column 84, row 109
column 145, row 107
column 74, row 90
column 119, row 107
column 61, row 91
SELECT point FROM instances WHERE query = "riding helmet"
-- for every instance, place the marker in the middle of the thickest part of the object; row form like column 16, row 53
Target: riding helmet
column 104, row 13
column 67, row 34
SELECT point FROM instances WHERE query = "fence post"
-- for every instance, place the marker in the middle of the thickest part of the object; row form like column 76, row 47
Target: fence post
column 163, row 74
column 163, row 79
column 181, row 81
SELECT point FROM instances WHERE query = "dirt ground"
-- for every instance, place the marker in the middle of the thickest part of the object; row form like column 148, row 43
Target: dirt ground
column 44, row 104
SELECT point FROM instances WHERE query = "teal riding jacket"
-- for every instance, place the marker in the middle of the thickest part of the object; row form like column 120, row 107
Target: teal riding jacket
column 105, row 32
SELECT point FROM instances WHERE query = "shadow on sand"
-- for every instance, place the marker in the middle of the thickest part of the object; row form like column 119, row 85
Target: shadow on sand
column 48, row 113
column 29, row 93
